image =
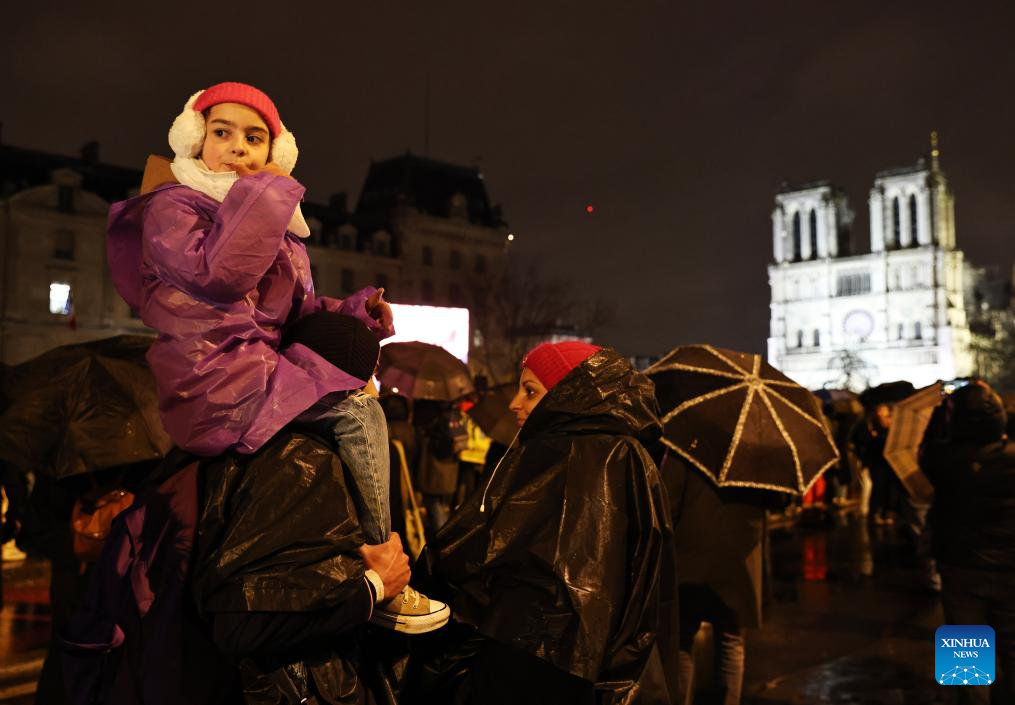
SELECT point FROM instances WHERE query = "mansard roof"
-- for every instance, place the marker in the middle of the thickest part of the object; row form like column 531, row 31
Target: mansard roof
column 429, row 186
column 21, row 169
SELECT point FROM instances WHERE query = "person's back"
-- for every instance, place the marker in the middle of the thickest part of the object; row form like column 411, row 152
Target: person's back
column 973, row 474
column 973, row 471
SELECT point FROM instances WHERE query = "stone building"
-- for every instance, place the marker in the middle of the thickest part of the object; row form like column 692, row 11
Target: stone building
column 898, row 312
column 54, row 285
column 423, row 229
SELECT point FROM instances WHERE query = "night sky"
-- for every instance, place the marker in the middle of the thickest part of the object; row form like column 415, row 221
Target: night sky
column 677, row 121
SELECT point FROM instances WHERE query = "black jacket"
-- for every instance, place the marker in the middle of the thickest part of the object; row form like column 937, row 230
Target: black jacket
column 558, row 555
column 973, row 514
column 277, row 571
column 718, row 534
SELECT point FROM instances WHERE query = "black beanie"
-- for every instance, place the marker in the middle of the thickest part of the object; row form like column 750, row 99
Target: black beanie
column 344, row 341
column 979, row 415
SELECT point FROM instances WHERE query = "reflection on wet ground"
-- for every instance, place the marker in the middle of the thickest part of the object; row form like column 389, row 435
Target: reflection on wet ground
column 24, row 627
column 847, row 620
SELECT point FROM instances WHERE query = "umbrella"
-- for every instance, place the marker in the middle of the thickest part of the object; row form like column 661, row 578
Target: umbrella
column 423, row 371
column 886, row 393
column 80, row 408
column 492, row 415
column 910, row 418
column 740, row 421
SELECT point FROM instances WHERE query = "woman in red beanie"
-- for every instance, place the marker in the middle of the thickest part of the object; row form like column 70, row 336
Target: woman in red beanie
column 553, row 565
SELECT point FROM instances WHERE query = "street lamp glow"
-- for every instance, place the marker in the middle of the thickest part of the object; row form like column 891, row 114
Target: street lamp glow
column 511, row 237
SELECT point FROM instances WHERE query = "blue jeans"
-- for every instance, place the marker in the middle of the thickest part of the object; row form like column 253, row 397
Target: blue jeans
column 361, row 434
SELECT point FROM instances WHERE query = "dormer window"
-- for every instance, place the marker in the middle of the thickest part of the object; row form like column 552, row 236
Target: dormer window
column 459, row 206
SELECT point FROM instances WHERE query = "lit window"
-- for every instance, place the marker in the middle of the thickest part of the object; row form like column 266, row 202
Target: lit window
column 60, row 301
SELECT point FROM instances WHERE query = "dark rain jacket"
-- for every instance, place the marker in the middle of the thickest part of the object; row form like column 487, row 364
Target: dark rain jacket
column 558, row 554
column 718, row 535
column 278, row 533
column 973, row 515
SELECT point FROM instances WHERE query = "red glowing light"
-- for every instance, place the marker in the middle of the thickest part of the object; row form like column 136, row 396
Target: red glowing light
column 590, row 209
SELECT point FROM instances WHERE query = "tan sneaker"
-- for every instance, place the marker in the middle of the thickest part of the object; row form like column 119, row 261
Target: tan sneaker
column 411, row 612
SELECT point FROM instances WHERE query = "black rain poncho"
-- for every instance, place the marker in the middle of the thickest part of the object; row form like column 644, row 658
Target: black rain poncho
column 278, row 533
column 566, row 562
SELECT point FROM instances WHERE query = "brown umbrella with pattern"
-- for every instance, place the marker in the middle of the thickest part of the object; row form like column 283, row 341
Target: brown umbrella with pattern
column 910, row 419
column 741, row 421
column 423, row 371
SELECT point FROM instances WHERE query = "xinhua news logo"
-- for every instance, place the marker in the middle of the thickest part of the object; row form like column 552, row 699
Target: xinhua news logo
column 964, row 655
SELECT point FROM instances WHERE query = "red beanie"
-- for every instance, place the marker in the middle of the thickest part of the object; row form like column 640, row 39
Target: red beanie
column 244, row 95
column 551, row 362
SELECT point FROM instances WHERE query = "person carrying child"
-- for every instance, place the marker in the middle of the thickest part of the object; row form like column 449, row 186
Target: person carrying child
column 354, row 421
column 211, row 256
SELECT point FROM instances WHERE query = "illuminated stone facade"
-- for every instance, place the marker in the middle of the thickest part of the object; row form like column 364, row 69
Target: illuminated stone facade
column 898, row 312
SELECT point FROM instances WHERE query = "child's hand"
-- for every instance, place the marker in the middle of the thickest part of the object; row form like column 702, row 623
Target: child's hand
column 270, row 167
column 380, row 311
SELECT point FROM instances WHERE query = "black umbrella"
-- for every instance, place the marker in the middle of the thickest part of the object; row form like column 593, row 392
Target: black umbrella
column 423, row 371
column 886, row 393
column 740, row 421
column 81, row 408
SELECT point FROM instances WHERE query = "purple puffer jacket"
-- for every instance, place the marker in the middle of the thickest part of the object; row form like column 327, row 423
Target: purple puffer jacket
column 218, row 281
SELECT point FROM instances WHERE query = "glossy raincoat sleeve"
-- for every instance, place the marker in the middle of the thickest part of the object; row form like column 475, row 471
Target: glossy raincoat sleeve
column 353, row 305
column 223, row 259
column 278, row 531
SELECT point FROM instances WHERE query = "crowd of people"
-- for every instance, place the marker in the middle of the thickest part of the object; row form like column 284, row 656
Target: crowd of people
column 263, row 560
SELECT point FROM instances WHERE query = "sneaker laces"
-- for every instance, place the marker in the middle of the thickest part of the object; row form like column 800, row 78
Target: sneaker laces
column 409, row 592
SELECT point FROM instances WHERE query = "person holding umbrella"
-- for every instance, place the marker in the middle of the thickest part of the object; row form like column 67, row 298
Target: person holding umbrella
column 738, row 435
column 434, row 380
column 553, row 566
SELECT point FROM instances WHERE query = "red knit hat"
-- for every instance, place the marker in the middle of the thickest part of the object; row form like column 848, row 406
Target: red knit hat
column 243, row 94
column 551, row 362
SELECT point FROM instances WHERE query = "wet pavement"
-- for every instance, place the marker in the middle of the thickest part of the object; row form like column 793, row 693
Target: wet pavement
column 845, row 622
column 24, row 628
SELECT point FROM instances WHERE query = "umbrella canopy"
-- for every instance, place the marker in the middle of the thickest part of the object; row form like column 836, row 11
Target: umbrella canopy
column 493, row 416
column 740, row 421
column 80, row 408
column 886, row 393
column 910, row 418
column 423, row 371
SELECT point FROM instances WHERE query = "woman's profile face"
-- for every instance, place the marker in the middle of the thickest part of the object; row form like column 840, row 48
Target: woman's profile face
column 530, row 391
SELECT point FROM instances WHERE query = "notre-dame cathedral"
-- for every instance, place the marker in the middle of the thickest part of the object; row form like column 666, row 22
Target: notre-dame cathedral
column 898, row 312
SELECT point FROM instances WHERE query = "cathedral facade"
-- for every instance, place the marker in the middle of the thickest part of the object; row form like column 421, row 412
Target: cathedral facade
column 845, row 319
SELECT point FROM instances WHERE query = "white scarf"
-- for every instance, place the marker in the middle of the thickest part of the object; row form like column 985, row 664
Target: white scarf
column 216, row 184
